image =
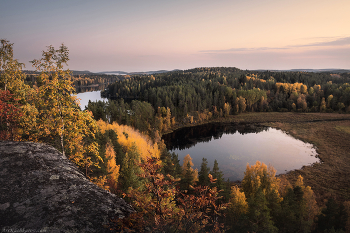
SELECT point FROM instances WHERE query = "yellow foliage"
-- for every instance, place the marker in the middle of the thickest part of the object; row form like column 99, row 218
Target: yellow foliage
column 300, row 182
column 312, row 207
column 112, row 167
column 187, row 160
column 292, row 87
column 238, row 202
column 254, row 77
column 309, row 197
column 99, row 181
column 260, row 176
column 128, row 136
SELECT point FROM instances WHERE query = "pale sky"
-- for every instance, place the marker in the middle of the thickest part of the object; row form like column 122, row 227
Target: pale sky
column 147, row 35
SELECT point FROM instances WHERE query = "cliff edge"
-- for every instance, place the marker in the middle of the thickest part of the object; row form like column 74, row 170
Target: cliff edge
column 42, row 191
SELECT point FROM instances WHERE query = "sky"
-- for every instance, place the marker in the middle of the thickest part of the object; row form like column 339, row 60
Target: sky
column 149, row 35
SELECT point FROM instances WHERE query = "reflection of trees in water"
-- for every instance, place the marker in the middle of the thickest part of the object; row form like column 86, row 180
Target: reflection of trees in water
column 187, row 137
column 93, row 87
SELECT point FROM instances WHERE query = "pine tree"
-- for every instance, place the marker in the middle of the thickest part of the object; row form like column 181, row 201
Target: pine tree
column 218, row 175
column 259, row 214
column 130, row 170
column 203, row 173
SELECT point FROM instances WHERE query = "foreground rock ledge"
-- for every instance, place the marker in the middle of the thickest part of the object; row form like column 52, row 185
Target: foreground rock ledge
column 42, row 191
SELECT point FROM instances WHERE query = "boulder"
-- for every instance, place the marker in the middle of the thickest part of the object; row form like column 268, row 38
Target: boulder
column 42, row 191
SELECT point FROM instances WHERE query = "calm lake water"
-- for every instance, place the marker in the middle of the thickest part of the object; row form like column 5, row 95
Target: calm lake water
column 86, row 96
column 233, row 146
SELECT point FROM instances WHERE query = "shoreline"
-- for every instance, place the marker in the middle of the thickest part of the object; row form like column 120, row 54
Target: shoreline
column 327, row 132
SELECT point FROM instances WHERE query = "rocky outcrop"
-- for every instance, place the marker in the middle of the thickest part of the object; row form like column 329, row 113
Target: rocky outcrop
column 42, row 191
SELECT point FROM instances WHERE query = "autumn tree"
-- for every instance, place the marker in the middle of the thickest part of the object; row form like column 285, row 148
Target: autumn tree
column 260, row 186
column 112, row 168
column 329, row 101
column 323, row 105
column 260, row 176
column 312, row 208
column 55, row 99
column 14, row 94
column 162, row 208
column 242, row 104
column 227, row 109
column 11, row 75
column 9, row 116
column 189, row 175
column 236, row 210
column 59, row 120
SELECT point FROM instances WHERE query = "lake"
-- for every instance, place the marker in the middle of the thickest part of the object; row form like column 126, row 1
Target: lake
column 86, row 96
column 233, row 146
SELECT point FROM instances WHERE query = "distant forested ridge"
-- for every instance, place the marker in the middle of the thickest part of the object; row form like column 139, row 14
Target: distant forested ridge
column 202, row 94
column 82, row 81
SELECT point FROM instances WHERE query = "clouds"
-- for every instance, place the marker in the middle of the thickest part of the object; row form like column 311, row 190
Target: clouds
column 330, row 54
column 327, row 52
column 331, row 42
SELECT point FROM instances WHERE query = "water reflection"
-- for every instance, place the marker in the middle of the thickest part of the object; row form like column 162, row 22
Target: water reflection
column 236, row 145
column 86, row 96
column 93, row 87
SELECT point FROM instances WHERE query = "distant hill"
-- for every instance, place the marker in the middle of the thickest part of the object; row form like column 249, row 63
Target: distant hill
column 78, row 72
column 75, row 72
column 84, row 72
column 310, row 70
column 132, row 73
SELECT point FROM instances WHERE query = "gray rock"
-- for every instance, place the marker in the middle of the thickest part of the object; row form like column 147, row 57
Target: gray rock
column 42, row 191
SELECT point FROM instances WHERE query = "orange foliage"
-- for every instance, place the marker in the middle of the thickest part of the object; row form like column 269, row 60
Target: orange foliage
column 160, row 211
column 128, row 136
column 112, row 168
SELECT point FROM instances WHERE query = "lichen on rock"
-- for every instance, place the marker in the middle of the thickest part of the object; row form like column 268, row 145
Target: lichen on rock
column 42, row 191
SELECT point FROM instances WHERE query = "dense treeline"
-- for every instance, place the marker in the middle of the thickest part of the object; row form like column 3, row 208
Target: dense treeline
column 157, row 102
column 230, row 91
column 81, row 82
column 168, row 197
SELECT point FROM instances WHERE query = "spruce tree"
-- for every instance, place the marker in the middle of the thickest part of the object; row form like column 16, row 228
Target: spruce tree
column 129, row 170
column 218, row 175
column 203, row 178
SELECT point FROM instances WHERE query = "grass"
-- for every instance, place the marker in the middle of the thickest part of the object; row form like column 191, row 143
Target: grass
column 345, row 129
